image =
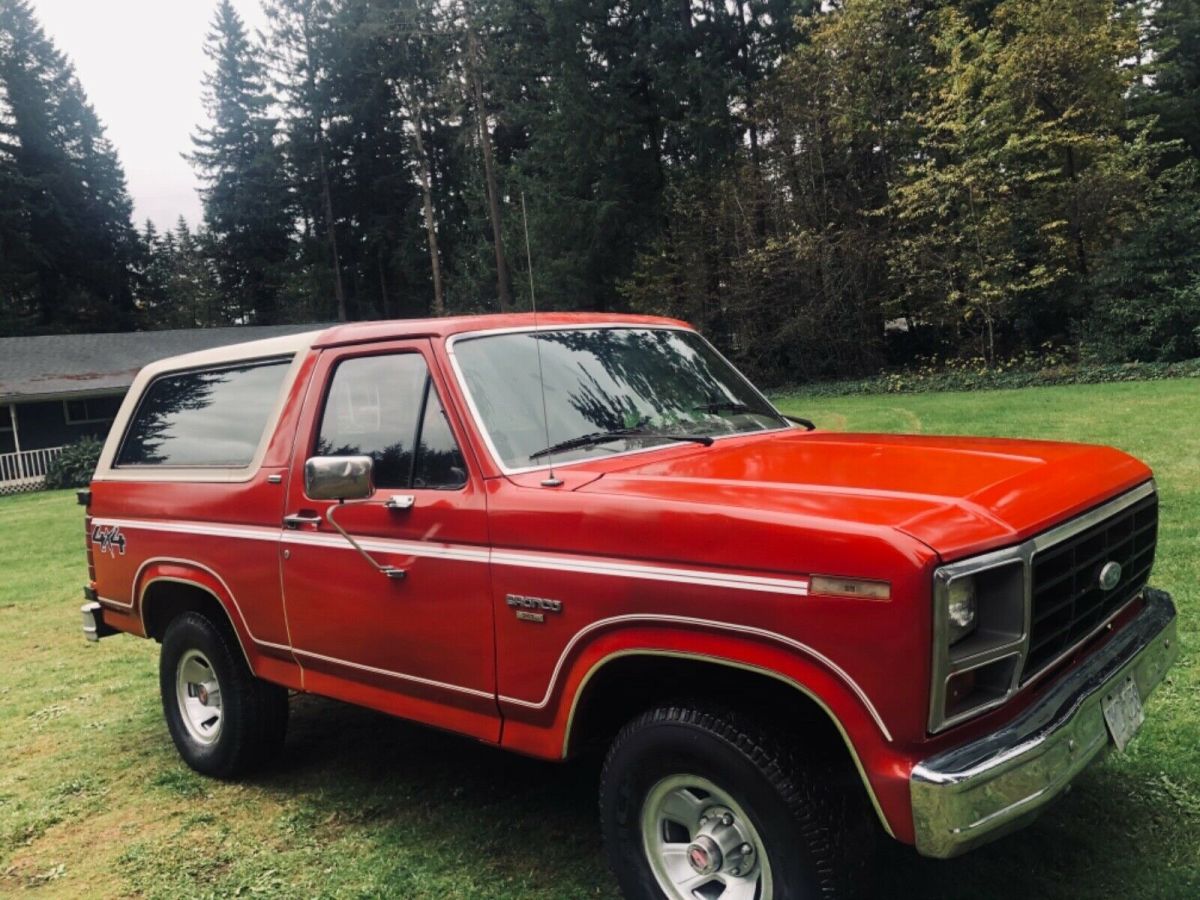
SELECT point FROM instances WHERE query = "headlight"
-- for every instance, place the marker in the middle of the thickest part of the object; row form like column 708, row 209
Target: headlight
column 979, row 634
column 961, row 608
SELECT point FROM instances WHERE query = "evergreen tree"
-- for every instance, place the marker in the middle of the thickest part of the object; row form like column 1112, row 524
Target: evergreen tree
column 68, row 242
column 301, row 49
column 193, row 284
column 247, row 211
column 1173, row 96
column 152, row 285
column 17, row 302
column 384, row 88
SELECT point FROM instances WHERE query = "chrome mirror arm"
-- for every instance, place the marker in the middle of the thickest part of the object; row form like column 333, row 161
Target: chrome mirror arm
column 390, row 571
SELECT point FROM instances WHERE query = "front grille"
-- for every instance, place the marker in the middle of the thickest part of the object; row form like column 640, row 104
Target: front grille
column 1068, row 603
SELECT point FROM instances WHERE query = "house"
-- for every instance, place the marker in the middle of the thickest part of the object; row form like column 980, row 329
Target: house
column 58, row 388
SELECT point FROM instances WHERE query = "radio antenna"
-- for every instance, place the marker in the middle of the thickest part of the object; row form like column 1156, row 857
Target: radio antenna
column 550, row 480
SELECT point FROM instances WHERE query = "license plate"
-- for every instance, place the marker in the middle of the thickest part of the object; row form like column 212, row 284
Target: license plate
column 1123, row 713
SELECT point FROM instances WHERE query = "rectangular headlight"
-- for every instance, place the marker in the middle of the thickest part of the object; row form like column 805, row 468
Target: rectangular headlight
column 960, row 608
column 980, row 612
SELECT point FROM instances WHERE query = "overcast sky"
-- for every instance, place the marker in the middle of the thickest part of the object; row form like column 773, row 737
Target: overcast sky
column 141, row 63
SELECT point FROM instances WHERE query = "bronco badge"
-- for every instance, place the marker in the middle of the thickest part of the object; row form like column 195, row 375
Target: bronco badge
column 532, row 609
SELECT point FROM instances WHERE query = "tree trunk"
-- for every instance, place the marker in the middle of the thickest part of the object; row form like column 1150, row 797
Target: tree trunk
column 760, row 216
column 503, row 288
column 331, row 237
column 384, row 303
column 318, row 134
column 435, row 263
column 1076, row 223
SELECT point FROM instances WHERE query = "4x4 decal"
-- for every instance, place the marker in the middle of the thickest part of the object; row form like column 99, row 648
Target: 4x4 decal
column 108, row 539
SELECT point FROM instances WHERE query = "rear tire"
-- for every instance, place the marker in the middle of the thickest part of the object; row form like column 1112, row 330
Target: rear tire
column 223, row 720
column 773, row 824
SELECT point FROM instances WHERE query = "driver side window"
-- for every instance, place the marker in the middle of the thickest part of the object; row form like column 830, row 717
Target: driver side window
column 387, row 408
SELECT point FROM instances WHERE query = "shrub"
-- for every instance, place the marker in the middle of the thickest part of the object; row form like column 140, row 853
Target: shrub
column 1164, row 327
column 1050, row 367
column 75, row 465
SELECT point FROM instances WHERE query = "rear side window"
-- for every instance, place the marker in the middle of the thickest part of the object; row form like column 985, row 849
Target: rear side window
column 214, row 417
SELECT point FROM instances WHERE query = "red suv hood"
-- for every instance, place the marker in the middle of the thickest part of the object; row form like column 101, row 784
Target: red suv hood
column 957, row 495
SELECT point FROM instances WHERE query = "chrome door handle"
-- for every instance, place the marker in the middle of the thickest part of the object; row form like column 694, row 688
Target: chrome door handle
column 295, row 520
column 401, row 501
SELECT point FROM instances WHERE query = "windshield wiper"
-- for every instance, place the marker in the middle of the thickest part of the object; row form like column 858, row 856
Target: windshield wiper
column 807, row 423
column 718, row 406
column 603, row 437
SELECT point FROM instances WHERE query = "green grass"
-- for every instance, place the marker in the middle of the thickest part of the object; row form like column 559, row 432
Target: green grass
column 94, row 800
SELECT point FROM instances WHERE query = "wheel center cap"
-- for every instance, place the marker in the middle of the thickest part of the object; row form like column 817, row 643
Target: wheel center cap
column 704, row 856
column 202, row 694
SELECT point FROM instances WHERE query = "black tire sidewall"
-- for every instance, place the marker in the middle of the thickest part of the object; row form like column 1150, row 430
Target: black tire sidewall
column 224, row 756
column 659, row 750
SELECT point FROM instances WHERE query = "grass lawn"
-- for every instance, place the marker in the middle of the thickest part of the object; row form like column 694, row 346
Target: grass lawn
column 94, row 800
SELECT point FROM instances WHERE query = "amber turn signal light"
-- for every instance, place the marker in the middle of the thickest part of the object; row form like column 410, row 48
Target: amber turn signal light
column 850, row 587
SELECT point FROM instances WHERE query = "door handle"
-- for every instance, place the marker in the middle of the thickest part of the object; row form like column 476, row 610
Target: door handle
column 295, row 520
column 401, row 501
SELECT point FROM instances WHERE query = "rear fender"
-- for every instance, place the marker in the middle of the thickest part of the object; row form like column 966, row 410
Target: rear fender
column 268, row 660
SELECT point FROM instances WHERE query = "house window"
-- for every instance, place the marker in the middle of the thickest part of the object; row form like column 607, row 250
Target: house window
column 91, row 409
column 8, row 440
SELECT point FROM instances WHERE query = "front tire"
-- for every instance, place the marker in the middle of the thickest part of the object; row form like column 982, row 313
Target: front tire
column 223, row 720
column 703, row 802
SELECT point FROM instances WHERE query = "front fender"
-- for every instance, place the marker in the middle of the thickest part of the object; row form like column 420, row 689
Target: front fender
column 544, row 728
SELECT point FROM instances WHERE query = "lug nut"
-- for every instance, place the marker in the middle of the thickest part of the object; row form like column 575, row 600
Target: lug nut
column 703, row 821
column 745, row 849
column 727, row 819
column 735, row 871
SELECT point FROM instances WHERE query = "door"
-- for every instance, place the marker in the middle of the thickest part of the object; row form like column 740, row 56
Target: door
column 420, row 646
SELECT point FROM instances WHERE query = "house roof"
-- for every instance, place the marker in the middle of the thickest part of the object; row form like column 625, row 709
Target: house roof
column 63, row 365
column 57, row 365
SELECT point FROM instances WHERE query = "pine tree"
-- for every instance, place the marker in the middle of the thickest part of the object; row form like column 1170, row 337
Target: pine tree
column 246, row 202
column 192, row 282
column 17, row 303
column 1174, row 95
column 65, row 220
column 152, row 288
column 300, row 47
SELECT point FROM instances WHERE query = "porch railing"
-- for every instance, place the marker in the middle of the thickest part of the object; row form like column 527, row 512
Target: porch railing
column 26, row 471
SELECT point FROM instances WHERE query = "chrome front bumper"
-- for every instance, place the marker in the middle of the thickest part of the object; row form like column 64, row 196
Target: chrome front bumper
column 980, row 791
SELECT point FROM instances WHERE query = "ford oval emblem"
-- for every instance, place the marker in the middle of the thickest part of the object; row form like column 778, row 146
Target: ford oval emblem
column 1110, row 576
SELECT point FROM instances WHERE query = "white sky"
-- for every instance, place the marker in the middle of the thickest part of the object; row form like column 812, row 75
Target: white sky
column 141, row 63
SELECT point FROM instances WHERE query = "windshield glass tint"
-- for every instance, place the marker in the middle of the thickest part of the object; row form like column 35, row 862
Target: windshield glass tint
column 602, row 379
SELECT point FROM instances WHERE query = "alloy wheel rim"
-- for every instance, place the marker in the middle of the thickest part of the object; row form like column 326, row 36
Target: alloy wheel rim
column 701, row 844
column 198, row 693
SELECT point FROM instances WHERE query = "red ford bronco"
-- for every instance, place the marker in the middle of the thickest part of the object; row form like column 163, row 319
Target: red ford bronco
column 593, row 531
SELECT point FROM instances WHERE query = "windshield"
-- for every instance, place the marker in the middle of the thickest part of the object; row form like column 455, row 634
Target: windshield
column 645, row 380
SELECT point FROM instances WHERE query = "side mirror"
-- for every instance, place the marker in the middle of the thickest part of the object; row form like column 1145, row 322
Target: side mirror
column 339, row 477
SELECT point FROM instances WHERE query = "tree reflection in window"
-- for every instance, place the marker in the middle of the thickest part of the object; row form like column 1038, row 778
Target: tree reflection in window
column 384, row 407
column 601, row 379
column 214, row 417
